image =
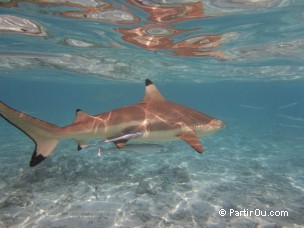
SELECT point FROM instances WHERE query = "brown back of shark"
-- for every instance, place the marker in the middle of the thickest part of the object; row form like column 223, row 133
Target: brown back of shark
column 153, row 119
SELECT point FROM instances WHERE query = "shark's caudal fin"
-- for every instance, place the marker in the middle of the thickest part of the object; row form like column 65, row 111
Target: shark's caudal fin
column 45, row 135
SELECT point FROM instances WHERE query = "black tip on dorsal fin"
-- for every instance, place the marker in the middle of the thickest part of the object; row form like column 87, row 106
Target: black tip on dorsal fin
column 148, row 82
column 81, row 116
column 152, row 93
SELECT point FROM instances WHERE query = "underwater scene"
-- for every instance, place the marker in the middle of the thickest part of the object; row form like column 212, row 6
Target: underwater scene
column 239, row 61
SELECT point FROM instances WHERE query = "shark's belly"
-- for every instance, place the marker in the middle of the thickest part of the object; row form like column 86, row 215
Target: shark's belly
column 163, row 136
column 147, row 134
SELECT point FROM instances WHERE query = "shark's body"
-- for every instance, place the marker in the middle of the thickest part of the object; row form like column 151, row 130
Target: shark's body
column 151, row 120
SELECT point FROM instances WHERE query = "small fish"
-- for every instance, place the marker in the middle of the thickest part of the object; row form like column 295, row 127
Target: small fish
column 143, row 147
column 139, row 148
column 99, row 152
column 125, row 137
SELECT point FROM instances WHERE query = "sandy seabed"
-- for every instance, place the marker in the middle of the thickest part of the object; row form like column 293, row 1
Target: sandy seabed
column 165, row 186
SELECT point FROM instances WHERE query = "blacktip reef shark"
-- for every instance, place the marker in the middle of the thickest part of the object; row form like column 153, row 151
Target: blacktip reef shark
column 153, row 119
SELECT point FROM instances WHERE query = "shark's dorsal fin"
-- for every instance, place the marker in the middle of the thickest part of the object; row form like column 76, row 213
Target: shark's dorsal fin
column 152, row 93
column 81, row 116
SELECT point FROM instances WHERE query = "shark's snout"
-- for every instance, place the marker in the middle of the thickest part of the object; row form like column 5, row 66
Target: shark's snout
column 217, row 124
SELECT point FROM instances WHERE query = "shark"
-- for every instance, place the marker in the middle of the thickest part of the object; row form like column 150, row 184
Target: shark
column 153, row 119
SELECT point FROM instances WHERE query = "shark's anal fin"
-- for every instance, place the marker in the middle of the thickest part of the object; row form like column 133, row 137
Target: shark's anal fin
column 190, row 138
column 82, row 144
column 120, row 143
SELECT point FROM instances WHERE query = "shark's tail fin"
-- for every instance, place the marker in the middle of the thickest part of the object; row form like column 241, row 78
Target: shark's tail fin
column 45, row 135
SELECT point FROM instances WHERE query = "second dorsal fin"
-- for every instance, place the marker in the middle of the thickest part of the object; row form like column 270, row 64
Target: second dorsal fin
column 80, row 116
column 152, row 93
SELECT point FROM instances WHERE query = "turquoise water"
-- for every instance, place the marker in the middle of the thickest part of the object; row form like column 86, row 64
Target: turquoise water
column 239, row 61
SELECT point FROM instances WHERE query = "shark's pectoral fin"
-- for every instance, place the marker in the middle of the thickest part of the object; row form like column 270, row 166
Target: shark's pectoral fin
column 120, row 143
column 190, row 138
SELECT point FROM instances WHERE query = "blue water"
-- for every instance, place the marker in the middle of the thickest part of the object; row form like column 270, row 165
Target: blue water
column 250, row 77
